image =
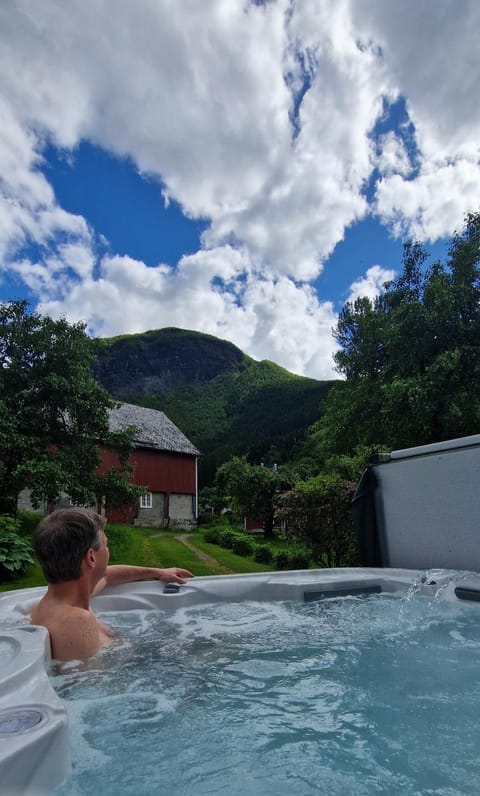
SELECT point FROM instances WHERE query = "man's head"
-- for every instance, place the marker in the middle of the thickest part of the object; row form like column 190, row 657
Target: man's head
column 62, row 540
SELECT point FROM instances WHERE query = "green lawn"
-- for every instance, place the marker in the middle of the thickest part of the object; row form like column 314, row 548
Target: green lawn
column 33, row 577
column 153, row 547
column 227, row 558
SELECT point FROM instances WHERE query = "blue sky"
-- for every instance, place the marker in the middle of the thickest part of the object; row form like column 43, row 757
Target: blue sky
column 240, row 169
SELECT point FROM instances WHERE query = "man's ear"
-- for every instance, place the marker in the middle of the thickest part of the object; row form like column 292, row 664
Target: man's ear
column 90, row 557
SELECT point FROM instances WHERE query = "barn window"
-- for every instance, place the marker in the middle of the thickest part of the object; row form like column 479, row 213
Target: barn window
column 146, row 501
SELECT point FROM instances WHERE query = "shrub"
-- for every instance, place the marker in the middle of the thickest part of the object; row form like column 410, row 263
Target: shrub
column 299, row 559
column 207, row 519
column 318, row 514
column 28, row 521
column 212, row 536
column 282, row 560
column 242, row 546
column 292, row 559
column 15, row 551
column 226, row 538
column 263, row 554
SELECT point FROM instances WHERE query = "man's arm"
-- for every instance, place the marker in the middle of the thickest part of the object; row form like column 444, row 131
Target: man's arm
column 123, row 573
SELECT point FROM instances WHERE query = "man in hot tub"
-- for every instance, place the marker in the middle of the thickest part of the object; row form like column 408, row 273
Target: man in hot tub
column 72, row 549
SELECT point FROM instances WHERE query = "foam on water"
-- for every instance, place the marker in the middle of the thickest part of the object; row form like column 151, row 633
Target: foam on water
column 352, row 695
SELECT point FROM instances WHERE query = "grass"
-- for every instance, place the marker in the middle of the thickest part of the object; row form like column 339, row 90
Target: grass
column 153, row 547
column 161, row 549
column 32, row 576
column 227, row 558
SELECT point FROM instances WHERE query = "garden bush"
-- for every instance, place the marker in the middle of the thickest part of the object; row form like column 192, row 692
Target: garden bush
column 242, row 546
column 282, row 560
column 15, row 551
column 212, row 535
column 226, row 538
column 299, row 559
column 263, row 554
column 318, row 515
column 28, row 521
column 292, row 559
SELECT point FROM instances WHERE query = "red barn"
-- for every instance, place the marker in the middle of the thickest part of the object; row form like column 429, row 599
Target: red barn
column 165, row 462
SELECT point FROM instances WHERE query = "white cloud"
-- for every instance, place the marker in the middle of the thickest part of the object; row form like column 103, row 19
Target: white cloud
column 393, row 157
column 434, row 203
column 200, row 98
column 259, row 119
column 432, row 57
column 291, row 326
column 370, row 285
column 269, row 319
column 28, row 209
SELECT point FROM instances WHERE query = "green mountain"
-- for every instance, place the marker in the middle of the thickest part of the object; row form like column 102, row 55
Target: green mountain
column 224, row 401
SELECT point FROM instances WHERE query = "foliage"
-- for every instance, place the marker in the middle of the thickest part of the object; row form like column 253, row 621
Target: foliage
column 228, row 561
column 263, row 554
column 292, row 559
column 215, row 533
column 411, row 358
column 53, row 414
column 225, row 402
column 226, row 538
column 28, row 521
column 239, row 542
column 296, row 557
column 242, row 546
column 318, row 514
column 121, row 540
column 299, row 558
column 15, row 551
column 253, row 489
column 212, row 535
column 282, row 560
column 212, row 506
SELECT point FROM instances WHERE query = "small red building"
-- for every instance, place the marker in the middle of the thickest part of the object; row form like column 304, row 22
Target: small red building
column 165, row 462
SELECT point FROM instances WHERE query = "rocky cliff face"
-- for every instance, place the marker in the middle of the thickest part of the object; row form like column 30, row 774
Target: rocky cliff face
column 157, row 362
column 224, row 402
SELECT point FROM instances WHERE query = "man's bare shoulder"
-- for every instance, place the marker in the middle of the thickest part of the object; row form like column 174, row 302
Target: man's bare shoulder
column 74, row 632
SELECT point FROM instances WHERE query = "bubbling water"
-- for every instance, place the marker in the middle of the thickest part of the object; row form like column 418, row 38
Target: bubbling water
column 356, row 695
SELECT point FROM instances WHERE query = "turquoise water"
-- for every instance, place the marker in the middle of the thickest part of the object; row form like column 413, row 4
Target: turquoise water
column 359, row 696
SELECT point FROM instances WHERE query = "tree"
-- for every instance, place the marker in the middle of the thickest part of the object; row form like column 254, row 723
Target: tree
column 54, row 415
column 318, row 513
column 253, row 489
column 411, row 358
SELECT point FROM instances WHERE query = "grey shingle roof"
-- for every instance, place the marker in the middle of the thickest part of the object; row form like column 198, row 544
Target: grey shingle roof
column 155, row 430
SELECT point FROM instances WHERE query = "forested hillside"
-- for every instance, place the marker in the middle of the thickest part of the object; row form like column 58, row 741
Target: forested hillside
column 225, row 402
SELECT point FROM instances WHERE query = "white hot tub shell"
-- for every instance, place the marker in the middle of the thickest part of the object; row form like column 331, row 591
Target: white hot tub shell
column 34, row 742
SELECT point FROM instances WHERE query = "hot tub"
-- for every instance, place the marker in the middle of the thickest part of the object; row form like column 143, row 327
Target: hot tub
column 34, row 739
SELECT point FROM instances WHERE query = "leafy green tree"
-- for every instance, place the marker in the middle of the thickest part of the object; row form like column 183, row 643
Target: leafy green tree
column 318, row 514
column 54, row 415
column 252, row 490
column 212, row 503
column 411, row 358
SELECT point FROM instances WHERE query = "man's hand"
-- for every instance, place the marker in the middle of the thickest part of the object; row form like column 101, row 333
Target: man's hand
column 172, row 574
column 123, row 573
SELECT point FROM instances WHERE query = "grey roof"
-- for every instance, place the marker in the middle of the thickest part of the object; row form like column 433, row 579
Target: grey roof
column 155, row 430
